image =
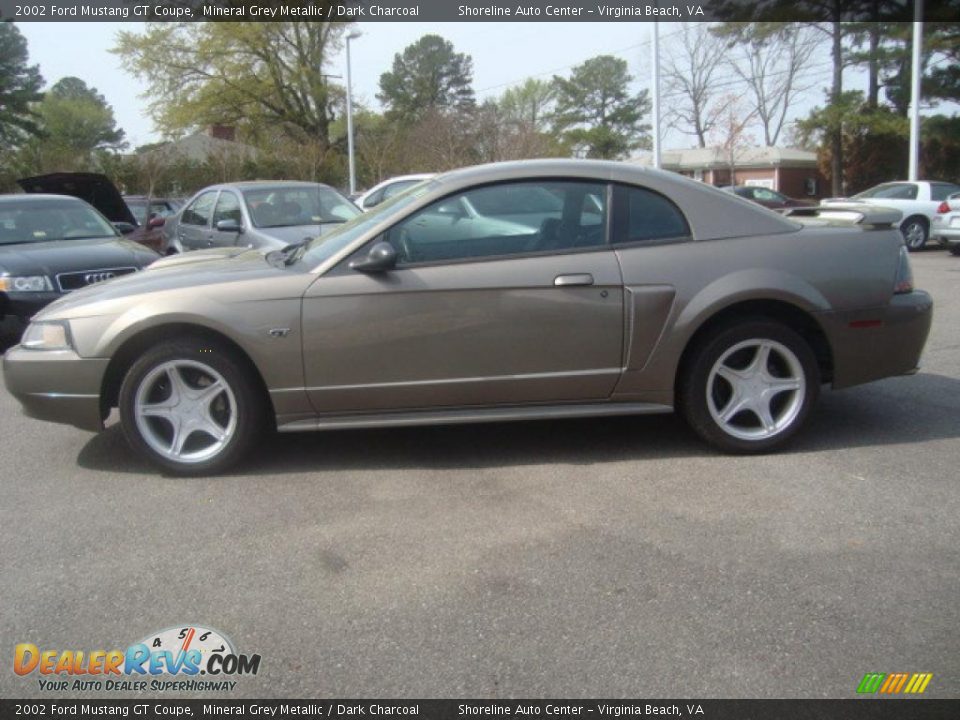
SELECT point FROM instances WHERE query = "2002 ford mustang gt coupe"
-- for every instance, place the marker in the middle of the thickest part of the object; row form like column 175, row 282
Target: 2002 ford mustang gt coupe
column 537, row 289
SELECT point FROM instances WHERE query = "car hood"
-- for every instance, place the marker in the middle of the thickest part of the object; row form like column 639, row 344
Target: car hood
column 93, row 188
column 60, row 256
column 190, row 270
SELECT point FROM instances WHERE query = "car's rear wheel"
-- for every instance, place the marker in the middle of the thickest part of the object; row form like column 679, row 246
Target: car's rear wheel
column 915, row 233
column 191, row 407
column 749, row 387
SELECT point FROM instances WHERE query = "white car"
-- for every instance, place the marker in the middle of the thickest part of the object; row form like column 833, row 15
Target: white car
column 388, row 188
column 946, row 223
column 918, row 201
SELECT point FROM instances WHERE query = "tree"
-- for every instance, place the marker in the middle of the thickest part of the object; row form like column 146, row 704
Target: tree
column 873, row 140
column 426, row 77
column 689, row 74
column 257, row 74
column 771, row 59
column 729, row 133
column 79, row 118
column 595, row 111
column 78, row 130
column 20, row 85
column 529, row 104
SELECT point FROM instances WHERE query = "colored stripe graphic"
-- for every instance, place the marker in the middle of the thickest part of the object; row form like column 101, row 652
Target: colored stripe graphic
column 918, row 683
column 894, row 683
column 871, row 682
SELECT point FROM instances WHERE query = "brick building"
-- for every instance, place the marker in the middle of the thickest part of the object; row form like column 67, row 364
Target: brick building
column 790, row 171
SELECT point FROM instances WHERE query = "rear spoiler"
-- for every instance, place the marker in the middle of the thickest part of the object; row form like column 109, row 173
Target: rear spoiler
column 851, row 213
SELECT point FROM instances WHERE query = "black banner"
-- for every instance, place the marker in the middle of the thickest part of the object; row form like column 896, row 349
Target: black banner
column 854, row 709
column 474, row 10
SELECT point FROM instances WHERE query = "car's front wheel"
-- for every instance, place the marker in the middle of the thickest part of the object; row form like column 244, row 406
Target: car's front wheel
column 749, row 387
column 191, row 406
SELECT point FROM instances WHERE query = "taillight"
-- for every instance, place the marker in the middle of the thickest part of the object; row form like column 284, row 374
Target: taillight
column 903, row 282
column 943, row 207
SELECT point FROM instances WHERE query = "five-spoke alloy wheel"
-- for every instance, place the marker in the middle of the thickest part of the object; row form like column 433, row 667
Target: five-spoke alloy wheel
column 191, row 405
column 749, row 386
column 915, row 233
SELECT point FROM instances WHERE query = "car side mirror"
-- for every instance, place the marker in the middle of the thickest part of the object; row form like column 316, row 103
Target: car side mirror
column 229, row 226
column 371, row 201
column 380, row 258
column 125, row 228
column 155, row 222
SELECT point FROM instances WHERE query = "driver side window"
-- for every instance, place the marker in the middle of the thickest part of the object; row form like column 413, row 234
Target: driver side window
column 505, row 219
column 198, row 213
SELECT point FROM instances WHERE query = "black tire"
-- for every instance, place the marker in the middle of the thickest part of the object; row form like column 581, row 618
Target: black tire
column 692, row 398
column 916, row 232
column 955, row 250
column 250, row 405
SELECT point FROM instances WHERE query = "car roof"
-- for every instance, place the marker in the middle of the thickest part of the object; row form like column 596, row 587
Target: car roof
column 39, row 198
column 266, row 185
column 708, row 209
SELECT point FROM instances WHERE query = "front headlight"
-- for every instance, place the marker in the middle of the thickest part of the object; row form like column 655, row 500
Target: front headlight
column 25, row 283
column 47, row 335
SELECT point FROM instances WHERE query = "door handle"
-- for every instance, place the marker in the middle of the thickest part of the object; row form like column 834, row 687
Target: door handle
column 577, row 279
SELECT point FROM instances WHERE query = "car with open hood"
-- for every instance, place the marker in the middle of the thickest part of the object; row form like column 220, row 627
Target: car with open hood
column 139, row 218
column 51, row 245
column 609, row 290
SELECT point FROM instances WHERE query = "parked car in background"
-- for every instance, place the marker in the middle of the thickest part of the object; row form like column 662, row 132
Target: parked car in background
column 918, row 201
column 151, row 214
column 266, row 215
column 946, row 223
column 388, row 188
column 128, row 213
column 93, row 188
column 640, row 292
column 51, row 245
column 766, row 197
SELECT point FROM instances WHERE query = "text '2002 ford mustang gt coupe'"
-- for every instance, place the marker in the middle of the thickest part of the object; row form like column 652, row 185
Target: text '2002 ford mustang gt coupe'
column 527, row 290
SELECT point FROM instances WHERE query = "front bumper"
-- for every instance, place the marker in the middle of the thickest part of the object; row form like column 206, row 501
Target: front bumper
column 56, row 385
column 873, row 344
column 18, row 308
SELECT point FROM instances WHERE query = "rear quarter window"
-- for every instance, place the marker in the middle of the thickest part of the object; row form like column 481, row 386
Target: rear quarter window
column 642, row 215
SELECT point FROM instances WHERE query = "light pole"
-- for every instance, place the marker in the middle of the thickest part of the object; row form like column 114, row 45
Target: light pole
column 655, row 86
column 915, row 78
column 354, row 34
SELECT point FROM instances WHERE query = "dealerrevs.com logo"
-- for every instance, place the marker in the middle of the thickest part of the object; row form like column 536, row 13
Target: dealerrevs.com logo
column 894, row 683
column 186, row 658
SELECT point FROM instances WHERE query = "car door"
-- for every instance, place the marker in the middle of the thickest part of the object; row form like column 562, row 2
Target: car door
column 193, row 230
column 227, row 208
column 506, row 316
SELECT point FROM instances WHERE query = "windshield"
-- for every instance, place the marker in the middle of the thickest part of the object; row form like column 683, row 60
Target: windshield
column 273, row 207
column 324, row 247
column 29, row 221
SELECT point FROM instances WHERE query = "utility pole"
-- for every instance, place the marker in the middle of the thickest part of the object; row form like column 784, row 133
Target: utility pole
column 350, row 158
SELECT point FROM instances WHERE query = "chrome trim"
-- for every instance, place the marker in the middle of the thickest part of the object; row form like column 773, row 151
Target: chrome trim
column 65, row 395
column 450, row 381
column 472, row 415
column 126, row 270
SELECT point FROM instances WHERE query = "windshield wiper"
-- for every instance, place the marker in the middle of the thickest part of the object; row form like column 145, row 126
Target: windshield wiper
column 292, row 252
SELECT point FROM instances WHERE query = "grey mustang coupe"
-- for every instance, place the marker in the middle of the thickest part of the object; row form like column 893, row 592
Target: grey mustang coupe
column 526, row 290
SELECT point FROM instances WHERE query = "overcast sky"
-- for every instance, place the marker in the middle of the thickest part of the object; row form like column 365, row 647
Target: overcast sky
column 503, row 54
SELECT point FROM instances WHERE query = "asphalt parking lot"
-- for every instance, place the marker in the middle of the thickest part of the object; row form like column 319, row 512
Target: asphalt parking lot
column 598, row 558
